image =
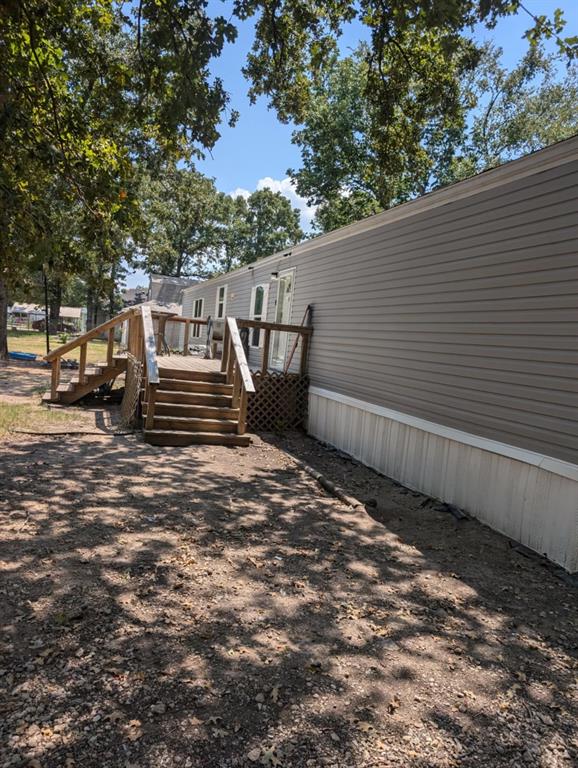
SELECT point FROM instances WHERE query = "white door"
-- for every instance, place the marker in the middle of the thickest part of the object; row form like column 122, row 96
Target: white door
column 283, row 316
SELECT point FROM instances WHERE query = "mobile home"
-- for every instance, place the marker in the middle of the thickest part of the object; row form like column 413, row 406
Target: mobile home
column 445, row 349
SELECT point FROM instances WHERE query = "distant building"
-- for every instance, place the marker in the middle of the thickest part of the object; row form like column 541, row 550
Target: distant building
column 133, row 296
column 164, row 294
column 25, row 316
column 166, row 290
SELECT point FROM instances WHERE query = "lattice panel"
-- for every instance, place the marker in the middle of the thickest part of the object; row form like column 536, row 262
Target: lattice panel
column 132, row 386
column 279, row 402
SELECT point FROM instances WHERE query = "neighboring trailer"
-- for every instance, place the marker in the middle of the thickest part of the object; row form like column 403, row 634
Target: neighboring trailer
column 445, row 351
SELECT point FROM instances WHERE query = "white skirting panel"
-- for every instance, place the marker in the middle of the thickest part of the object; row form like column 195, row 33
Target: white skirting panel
column 530, row 498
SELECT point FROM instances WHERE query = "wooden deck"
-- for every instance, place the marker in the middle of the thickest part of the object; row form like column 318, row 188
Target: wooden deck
column 189, row 363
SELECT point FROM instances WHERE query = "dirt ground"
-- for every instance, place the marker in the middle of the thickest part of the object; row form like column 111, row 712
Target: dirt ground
column 205, row 606
column 18, row 383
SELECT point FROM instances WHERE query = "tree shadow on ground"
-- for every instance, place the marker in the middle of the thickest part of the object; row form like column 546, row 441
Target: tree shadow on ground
column 214, row 607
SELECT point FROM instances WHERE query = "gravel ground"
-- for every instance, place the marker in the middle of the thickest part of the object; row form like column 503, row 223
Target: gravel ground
column 206, row 606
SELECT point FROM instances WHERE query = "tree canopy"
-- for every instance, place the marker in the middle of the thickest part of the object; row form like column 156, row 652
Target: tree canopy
column 502, row 114
column 515, row 111
column 190, row 229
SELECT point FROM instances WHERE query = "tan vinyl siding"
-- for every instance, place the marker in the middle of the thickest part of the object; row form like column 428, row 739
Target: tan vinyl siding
column 464, row 313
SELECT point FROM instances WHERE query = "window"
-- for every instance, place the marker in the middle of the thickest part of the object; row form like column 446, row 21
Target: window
column 259, row 296
column 197, row 313
column 221, row 305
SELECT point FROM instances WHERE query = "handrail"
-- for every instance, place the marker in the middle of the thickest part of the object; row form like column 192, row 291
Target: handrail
column 181, row 319
column 89, row 335
column 305, row 330
column 150, row 351
column 54, row 357
column 241, row 359
column 234, row 364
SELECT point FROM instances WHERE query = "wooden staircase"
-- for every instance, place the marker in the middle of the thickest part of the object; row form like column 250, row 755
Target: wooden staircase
column 88, row 377
column 193, row 407
column 94, row 376
column 182, row 403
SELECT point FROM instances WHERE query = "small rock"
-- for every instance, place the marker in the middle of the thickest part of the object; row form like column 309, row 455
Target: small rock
column 159, row 708
column 254, row 755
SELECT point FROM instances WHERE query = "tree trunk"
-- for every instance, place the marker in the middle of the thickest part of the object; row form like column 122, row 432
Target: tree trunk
column 91, row 308
column 55, row 301
column 3, row 321
column 111, row 295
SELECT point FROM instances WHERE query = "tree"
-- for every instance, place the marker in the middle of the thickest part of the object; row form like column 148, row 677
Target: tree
column 271, row 225
column 357, row 161
column 181, row 218
column 232, row 232
column 190, row 229
column 88, row 89
column 294, row 40
column 515, row 112
column 502, row 115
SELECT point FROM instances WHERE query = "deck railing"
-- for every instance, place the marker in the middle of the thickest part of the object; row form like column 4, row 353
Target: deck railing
column 234, row 364
column 109, row 327
column 303, row 335
column 193, row 324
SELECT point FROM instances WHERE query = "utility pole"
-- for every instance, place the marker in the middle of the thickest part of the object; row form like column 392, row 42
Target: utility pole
column 46, row 309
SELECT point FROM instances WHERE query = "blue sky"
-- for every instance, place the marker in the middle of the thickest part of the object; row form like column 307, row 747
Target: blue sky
column 257, row 152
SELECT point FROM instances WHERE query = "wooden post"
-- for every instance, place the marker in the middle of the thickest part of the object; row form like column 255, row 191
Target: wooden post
column 82, row 365
column 236, row 387
column 55, row 379
column 304, row 353
column 151, row 400
column 186, row 341
column 110, row 347
column 230, row 362
column 161, row 333
column 242, row 423
column 265, row 360
column 139, row 343
column 131, row 345
column 226, row 349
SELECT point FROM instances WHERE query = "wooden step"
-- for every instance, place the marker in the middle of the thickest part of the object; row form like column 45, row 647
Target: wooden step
column 181, row 385
column 194, row 398
column 194, row 425
column 166, row 372
column 169, row 437
column 74, row 392
column 193, row 411
column 65, row 386
column 90, row 373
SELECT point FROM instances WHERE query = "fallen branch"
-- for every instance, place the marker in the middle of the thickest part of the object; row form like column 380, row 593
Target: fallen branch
column 329, row 486
column 70, row 432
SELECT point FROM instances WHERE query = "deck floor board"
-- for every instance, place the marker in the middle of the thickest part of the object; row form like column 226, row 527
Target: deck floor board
column 189, row 363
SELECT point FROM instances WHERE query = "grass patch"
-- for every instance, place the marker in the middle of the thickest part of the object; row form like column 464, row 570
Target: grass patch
column 35, row 342
column 33, row 417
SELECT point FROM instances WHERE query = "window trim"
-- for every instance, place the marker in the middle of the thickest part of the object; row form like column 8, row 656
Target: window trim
column 225, row 288
column 197, row 329
column 263, row 317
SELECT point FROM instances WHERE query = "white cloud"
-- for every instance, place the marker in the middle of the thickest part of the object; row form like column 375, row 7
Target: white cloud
column 240, row 192
column 287, row 188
